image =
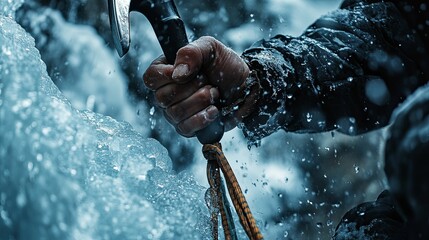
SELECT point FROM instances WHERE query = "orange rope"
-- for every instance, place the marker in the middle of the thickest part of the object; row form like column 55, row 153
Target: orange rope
column 216, row 159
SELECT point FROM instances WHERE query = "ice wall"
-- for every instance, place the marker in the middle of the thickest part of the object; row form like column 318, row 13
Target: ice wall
column 69, row 174
column 8, row 7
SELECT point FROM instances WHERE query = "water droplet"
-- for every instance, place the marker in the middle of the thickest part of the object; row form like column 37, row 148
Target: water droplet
column 356, row 167
column 252, row 18
column 21, row 199
column 30, row 166
column 309, row 117
column 336, row 205
column 285, row 234
column 46, row 130
column 26, row 103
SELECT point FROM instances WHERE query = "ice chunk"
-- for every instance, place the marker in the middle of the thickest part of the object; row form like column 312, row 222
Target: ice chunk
column 69, row 174
column 79, row 63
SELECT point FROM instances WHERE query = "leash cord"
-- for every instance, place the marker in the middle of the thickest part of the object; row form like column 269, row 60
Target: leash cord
column 217, row 201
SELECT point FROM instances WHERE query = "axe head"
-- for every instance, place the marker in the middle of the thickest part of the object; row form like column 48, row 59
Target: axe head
column 163, row 16
column 119, row 12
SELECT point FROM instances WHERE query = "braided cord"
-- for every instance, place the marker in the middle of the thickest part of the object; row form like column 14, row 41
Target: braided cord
column 216, row 159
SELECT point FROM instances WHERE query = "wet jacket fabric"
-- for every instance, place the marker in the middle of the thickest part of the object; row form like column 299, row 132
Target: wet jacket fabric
column 372, row 220
column 406, row 161
column 348, row 71
column 403, row 211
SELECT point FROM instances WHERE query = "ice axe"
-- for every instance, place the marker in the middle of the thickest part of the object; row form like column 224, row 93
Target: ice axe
column 171, row 34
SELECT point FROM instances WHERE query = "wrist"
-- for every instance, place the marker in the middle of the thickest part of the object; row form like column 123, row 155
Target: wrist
column 242, row 107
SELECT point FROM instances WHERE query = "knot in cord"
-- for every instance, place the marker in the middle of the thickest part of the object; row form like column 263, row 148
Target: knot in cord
column 212, row 151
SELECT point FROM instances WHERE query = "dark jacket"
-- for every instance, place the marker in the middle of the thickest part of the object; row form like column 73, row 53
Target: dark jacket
column 402, row 213
column 372, row 220
column 347, row 71
column 406, row 162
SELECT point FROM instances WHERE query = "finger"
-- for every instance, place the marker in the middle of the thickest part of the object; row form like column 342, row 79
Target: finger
column 158, row 74
column 173, row 93
column 191, row 58
column 196, row 122
column 200, row 100
column 169, row 119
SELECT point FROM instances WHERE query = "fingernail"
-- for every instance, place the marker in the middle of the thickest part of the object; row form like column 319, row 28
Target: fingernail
column 211, row 113
column 214, row 95
column 180, row 70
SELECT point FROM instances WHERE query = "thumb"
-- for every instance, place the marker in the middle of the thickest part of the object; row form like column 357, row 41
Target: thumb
column 193, row 57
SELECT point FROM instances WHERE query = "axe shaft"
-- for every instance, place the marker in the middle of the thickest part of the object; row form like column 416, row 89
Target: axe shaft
column 171, row 34
column 167, row 24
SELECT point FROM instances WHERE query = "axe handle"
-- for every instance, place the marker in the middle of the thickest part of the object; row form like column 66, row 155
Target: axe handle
column 171, row 34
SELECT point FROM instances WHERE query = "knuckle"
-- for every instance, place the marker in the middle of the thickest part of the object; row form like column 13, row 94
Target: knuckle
column 204, row 95
column 188, row 52
column 177, row 112
column 165, row 96
column 151, row 77
column 148, row 81
column 158, row 99
column 208, row 39
column 183, row 128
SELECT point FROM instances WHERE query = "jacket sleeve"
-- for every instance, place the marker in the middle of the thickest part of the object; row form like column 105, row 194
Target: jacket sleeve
column 347, row 71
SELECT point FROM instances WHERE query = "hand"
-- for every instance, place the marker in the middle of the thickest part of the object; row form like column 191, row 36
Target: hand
column 205, row 78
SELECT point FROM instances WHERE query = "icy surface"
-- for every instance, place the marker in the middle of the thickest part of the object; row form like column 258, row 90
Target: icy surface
column 90, row 77
column 8, row 7
column 69, row 174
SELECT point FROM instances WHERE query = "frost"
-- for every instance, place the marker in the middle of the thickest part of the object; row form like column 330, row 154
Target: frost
column 70, row 174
